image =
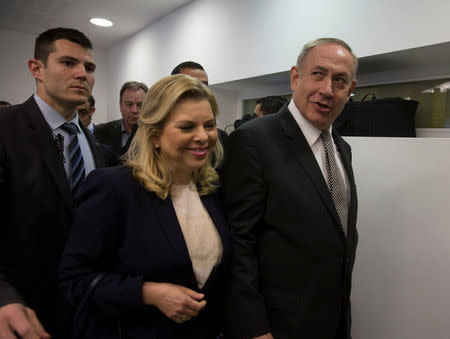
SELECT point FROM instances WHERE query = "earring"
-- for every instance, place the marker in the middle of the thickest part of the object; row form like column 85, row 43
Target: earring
column 156, row 146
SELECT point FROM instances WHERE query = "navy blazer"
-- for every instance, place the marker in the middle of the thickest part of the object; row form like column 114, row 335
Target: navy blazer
column 133, row 235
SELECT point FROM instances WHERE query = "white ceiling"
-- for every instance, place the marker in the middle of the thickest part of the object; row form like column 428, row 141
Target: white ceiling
column 128, row 16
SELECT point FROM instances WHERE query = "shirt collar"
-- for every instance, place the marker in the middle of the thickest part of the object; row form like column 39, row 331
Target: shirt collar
column 51, row 116
column 122, row 128
column 311, row 132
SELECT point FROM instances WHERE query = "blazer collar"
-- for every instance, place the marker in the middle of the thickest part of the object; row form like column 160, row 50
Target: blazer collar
column 169, row 222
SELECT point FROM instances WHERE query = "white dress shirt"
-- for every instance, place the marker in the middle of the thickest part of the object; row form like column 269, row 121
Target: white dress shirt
column 312, row 135
column 55, row 121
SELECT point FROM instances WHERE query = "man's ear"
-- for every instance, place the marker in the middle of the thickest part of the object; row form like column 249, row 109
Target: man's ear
column 294, row 77
column 36, row 67
column 352, row 88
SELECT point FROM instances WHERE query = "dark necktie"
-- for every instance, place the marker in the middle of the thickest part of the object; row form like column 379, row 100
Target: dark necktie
column 335, row 181
column 75, row 157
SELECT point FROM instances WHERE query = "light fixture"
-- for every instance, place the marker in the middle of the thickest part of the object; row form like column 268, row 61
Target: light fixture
column 101, row 22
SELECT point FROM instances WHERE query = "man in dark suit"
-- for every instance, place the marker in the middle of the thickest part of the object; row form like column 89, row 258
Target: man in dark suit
column 45, row 153
column 290, row 199
column 116, row 133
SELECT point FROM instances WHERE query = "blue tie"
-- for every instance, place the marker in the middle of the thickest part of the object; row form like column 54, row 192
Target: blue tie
column 75, row 157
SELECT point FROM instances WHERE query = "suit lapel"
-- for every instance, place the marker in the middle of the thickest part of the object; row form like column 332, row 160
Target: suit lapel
column 169, row 222
column 300, row 148
column 117, row 141
column 47, row 147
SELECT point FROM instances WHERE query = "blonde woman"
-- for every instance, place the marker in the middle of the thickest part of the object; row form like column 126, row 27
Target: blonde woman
column 154, row 229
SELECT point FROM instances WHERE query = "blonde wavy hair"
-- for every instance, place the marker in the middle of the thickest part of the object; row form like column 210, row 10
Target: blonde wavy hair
column 149, row 168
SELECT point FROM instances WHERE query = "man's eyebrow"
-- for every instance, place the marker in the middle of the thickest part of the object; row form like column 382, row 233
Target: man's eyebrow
column 342, row 74
column 321, row 68
column 71, row 58
column 68, row 57
column 325, row 70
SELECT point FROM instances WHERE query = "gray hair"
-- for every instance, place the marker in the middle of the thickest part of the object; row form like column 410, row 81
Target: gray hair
column 133, row 86
column 310, row 45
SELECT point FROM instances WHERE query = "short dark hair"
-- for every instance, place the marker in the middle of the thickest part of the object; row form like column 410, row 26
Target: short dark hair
column 45, row 41
column 134, row 86
column 186, row 64
column 4, row 103
column 271, row 104
column 91, row 101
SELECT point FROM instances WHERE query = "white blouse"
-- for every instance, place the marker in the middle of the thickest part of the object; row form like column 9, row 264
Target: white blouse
column 201, row 236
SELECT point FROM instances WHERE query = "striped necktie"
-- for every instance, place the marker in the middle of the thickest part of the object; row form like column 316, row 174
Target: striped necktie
column 335, row 181
column 75, row 157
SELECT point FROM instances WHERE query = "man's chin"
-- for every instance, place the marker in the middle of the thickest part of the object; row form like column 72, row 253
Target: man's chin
column 79, row 100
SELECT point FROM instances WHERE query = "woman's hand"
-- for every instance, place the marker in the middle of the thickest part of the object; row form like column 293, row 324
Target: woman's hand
column 177, row 302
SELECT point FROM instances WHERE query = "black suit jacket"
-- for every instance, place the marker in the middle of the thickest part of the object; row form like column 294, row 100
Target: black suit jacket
column 110, row 134
column 133, row 235
column 292, row 264
column 36, row 209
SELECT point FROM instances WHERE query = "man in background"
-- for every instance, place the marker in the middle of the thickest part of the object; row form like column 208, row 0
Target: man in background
column 116, row 133
column 192, row 69
column 264, row 106
column 268, row 105
column 290, row 200
column 45, row 154
column 85, row 113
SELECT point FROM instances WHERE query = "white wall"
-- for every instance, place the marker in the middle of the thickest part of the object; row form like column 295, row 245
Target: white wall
column 240, row 39
column 17, row 84
column 401, row 279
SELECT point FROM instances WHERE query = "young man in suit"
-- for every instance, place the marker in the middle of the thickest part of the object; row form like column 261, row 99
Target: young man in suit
column 45, row 154
column 290, row 199
column 117, row 132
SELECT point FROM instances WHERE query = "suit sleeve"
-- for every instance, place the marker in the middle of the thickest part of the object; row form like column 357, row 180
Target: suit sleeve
column 92, row 248
column 8, row 294
column 244, row 197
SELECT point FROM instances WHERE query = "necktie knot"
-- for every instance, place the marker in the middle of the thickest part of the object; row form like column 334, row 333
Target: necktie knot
column 326, row 137
column 70, row 128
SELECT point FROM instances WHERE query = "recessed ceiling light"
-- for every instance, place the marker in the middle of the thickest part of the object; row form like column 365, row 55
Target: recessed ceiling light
column 101, row 22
